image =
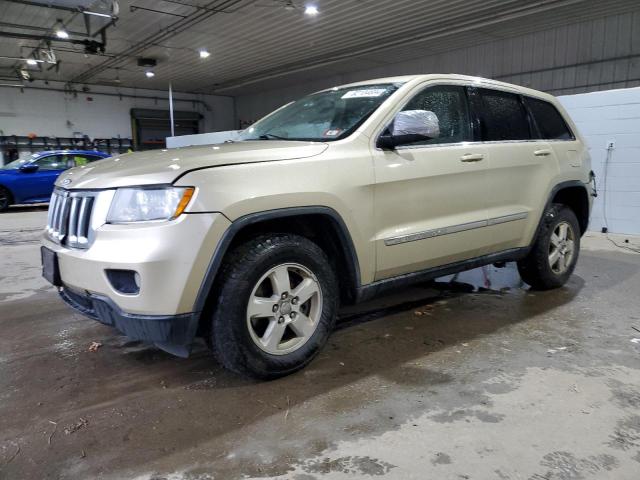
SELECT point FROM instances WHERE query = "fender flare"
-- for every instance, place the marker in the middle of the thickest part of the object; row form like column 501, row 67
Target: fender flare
column 346, row 244
column 556, row 188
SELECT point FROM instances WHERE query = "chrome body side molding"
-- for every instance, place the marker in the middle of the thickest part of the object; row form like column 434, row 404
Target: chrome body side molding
column 437, row 232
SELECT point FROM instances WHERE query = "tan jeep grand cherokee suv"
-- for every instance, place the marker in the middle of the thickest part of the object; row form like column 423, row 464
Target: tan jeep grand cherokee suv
column 331, row 199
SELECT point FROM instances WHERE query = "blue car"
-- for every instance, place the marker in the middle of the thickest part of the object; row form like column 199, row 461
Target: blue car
column 30, row 179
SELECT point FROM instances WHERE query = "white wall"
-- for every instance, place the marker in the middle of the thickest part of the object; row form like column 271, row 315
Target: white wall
column 612, row 116
column 57, row 114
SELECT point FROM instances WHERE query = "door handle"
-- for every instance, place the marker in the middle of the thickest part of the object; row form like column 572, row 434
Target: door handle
column 472, row 157
column 542, row 153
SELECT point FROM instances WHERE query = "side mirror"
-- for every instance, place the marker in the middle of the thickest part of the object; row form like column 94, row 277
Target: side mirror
column 410, row 126
column 29, row 168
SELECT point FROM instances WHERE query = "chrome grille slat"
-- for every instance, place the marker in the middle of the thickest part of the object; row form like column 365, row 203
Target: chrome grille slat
column 52, row 206
column 64, row 218
column 54, row 216
column 83, row 220
column 73, row 219
column 82, row 223
column 57, row 217
column 69, row 217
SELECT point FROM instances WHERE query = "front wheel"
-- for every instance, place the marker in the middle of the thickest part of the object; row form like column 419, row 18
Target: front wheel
column 276, row 307
column 554, row 254
column 5, row 199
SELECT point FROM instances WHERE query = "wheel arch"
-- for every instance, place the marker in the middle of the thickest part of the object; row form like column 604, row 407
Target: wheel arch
column 574, row 195
column 321, row 224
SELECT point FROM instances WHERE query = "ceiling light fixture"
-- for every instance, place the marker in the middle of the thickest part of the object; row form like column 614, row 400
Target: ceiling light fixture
column 30, row 61
column 311, row 10
column 204, row 53
column 60, row 30
column 97, row 14
column 149, row 74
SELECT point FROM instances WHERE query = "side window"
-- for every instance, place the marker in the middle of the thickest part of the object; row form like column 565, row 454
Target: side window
column 449, row 103
column 80, row 160
column 52, row 162
column 502, row 116
column 549, row 121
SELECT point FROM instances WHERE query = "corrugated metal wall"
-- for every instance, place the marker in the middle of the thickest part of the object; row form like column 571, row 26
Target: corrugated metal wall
column 591, row 55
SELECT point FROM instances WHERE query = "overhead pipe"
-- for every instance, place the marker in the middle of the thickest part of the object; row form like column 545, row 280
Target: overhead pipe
column 200, row 7
column 64, row 8
column 90, row 44
column 45, row 5
column 40, row 29
column 133, row 8
column 120, row 95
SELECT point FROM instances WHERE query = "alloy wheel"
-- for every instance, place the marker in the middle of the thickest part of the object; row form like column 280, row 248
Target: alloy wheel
column 284, row 308
column 561, row 248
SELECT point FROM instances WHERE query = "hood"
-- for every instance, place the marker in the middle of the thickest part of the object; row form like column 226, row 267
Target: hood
column 164, row 166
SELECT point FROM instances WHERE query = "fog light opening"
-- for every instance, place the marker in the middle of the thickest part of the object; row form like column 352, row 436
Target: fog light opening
column 126, row 282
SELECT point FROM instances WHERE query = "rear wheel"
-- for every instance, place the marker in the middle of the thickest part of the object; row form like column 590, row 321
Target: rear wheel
column 554, row 254
column 5, row 199
column 276, row 307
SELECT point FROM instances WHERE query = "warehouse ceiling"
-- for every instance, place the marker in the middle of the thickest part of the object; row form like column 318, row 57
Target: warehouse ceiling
column 252, row 44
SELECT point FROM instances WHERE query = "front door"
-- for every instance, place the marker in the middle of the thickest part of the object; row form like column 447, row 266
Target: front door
column 431, row 196
column 42, row 180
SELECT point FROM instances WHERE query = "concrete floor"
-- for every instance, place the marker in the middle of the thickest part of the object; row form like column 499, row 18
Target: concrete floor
column 446, row 381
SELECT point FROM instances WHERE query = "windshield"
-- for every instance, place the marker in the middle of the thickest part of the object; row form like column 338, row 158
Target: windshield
column 322, row 117
column 24, row 158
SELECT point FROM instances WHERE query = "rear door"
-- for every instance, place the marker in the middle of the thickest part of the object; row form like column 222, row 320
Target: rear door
column 430, row 196
column 551, row 127
column 519, row 166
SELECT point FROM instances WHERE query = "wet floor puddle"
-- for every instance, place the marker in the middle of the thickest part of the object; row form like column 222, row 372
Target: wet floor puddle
column 484, row 280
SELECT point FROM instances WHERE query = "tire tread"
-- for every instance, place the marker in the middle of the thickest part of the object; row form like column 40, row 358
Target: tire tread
column 534, row 268
column 239, row 265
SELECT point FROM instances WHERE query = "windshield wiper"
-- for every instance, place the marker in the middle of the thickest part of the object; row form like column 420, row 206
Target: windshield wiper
column 271, row 136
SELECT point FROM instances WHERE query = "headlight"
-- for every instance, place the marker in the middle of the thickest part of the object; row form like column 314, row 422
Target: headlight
column 148, row 204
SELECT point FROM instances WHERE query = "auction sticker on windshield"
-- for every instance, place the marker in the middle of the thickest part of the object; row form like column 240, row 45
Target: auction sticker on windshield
column 334, row 132
column 365, row 93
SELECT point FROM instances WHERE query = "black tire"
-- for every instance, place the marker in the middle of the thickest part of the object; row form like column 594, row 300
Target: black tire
column 535, row 268
column 230, row 337
column 5, row 199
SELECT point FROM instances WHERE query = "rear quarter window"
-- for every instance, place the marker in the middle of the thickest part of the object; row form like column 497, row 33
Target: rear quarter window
column 549, row 121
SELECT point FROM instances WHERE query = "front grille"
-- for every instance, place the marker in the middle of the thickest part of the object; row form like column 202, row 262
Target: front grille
column 69, row 220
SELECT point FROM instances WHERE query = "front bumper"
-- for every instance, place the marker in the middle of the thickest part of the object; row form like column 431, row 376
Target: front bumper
column 170, row 259
column 172, row 333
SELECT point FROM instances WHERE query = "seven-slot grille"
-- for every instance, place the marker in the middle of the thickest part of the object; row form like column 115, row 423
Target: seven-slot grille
column 69, row 220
